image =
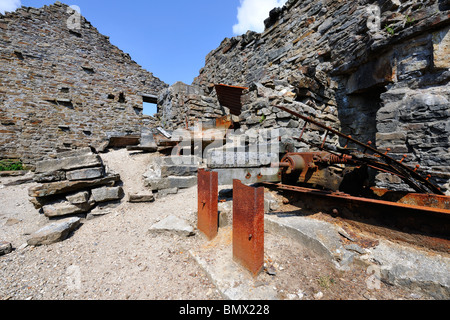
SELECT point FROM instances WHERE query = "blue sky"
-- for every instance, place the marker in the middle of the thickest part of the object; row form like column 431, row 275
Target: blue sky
column 168, row 38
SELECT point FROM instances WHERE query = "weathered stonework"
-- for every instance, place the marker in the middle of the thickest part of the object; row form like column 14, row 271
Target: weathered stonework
column 64, row 85
column 376, row 70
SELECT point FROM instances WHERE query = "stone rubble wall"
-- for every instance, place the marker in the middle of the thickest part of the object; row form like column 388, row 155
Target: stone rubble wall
column 182, row 105
column 64, row 87
column 386, row 84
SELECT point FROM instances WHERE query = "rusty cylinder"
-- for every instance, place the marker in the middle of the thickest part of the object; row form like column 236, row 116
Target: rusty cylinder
column 296, row 162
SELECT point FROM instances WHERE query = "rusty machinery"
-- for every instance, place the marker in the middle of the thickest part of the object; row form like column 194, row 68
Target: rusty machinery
column 337, row 178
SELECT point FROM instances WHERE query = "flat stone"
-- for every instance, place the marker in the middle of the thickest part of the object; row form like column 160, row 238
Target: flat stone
column 182, row 182
column 165, row 192
column 107, row 194
column 178, row 170
column 52, row 176
column 71, row 163
column 173, row 224
column 50, row 189
column 64, row 208
column 54, row 232
column 85, row 174
column 5, row 248
column 78, row 198
column 140, row 197
column 441, row 48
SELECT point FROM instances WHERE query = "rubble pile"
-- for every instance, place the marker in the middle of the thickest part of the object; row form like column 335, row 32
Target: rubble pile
column 74, row 184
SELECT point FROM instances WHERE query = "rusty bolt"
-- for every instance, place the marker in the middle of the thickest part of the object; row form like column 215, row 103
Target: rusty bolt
column 404, row 157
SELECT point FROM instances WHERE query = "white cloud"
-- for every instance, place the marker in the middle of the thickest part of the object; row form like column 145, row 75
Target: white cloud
column 252, row 13
column 9, row 5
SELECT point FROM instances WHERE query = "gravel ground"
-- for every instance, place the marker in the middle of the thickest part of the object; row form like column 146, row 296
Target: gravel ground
column 116, row 257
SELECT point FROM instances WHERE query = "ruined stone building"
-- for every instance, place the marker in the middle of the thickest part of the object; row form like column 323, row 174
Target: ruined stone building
column 376, row 70
column 63, row 85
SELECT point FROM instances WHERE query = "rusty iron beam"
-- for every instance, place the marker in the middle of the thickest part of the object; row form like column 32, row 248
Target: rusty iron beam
column 208, row 201
column 248, row 226
column 414, row 218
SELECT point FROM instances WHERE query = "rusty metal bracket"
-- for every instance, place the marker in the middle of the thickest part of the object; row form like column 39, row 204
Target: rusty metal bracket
column 208, row 200
column 248, row 227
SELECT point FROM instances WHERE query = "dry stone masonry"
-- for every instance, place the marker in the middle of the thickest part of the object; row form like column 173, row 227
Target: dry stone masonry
column 376, row 70
column 76, row 183
column 63, row 85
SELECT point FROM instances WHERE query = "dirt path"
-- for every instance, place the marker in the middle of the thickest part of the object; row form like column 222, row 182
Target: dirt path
column 116, row 257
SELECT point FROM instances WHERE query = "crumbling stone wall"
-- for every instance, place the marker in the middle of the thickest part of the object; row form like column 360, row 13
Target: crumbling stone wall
column 376, row 70
column 63, row 85
column 182, row 105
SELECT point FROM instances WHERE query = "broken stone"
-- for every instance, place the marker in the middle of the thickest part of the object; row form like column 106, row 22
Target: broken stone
column 54, row 232
column 98, row 212
column 107, row 194
column 174, row 224
column 178, row 170
column 182, row 182
column 139, row 197
column 171, row 182
column 5, row 248
column 50, row 176
column 50, row 189
column 78, row 198
column 85, row 174
column 165, row 192
column 64, row 208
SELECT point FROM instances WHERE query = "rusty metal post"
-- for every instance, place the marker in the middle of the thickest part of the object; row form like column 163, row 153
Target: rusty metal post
column 248, row 226
column 208, row 200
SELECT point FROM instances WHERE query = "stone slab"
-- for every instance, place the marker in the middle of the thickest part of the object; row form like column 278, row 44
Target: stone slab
column 231, row 280
column 64, row 209
column 141, row 197
column 175, row 225
column 393, row 263
column 70, row 163
column 50, row 189
column 78, row 198
column 105, row 194
column 5, row 248
column 85, row 174
column 54, row 232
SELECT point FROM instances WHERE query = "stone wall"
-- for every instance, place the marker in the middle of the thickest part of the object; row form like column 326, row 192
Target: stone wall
column 376, row 70
column 182, row 105
column 63, row 85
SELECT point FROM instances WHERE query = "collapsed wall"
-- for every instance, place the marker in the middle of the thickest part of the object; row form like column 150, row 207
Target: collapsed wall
column 63, row 85
column 376, row 70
